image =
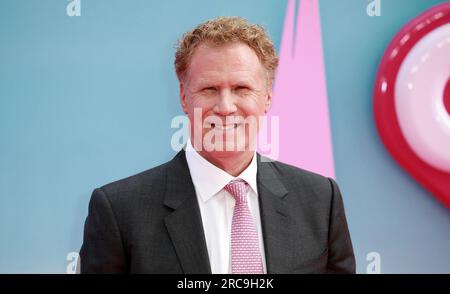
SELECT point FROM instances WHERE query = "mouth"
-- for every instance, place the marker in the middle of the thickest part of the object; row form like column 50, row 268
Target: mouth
column 224, row 128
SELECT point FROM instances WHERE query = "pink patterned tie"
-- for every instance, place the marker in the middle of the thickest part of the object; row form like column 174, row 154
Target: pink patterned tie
column 245, row 253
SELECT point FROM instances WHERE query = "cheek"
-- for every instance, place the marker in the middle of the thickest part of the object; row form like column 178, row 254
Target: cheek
column 254, row 107
column 198, row 103
column 204, row 109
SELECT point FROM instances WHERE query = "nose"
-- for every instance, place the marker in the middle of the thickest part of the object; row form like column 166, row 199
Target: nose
column 225, row 103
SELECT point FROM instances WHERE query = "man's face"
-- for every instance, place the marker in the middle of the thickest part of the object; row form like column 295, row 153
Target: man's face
column 222, row 83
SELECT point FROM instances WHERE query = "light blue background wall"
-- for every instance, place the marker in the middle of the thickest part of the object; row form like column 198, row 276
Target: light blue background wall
column 88, row 100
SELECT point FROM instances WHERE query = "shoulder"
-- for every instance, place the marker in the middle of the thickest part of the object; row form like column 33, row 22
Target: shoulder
column 305, row 188
column 135, row 183
column 295, row 175
column 145, row 186
column 133, row 192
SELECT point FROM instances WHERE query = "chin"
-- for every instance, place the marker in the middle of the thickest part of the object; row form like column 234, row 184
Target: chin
column 221, row 155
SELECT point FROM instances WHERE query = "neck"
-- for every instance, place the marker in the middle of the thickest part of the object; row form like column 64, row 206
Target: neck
column 234, row 163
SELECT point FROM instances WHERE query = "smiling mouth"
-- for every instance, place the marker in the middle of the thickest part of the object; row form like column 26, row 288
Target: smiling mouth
column 224, row 127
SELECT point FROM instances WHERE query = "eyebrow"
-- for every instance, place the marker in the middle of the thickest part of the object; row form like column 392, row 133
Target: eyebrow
column 206, row 82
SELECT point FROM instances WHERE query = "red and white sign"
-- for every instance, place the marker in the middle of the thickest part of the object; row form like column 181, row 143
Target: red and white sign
column 412, row 100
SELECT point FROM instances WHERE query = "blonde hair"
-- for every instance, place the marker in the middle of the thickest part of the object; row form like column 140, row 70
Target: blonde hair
column 225, row 30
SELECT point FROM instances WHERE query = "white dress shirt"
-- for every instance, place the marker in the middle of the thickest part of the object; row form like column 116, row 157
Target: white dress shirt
column 217, row 206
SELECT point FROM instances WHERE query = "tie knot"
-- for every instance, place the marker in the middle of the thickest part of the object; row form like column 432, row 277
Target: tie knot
column 238, row 189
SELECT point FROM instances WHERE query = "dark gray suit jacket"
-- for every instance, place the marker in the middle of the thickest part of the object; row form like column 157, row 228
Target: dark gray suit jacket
column 151, row 223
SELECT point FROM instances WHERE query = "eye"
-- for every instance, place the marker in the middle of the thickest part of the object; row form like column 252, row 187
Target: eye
column 209, row 89
column 242, row 90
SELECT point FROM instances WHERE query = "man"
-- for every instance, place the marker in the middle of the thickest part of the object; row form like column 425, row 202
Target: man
column 218, row 206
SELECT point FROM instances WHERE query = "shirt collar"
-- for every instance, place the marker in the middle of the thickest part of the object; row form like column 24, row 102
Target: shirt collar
column 208, row 179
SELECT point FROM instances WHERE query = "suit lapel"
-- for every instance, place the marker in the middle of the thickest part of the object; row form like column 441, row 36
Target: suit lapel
column 184, row 224
column 275, row 220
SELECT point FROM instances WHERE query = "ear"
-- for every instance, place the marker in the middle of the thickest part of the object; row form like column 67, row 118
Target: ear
column 268, row 102
column 183, row 96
